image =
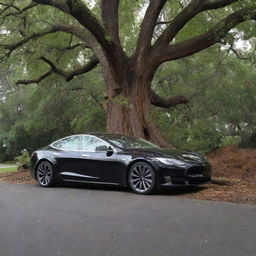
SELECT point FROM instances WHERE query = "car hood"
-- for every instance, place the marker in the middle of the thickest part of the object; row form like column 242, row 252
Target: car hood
column 186, row 156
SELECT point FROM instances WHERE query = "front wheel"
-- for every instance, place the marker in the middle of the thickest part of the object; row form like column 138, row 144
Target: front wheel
column 142, row 178
column 45, row 174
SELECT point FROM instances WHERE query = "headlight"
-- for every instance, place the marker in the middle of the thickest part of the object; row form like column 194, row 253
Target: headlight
column 170, row 161
column 194, row 157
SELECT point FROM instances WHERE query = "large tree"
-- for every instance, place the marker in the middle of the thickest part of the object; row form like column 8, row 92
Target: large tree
column 128, row 75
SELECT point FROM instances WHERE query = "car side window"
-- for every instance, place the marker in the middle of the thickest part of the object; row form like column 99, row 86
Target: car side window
column 94, row 144
column 69, row 143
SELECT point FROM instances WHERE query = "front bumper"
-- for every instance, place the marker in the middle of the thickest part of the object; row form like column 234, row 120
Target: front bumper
column 191, row 175
column 33, row 163
column 183, row 182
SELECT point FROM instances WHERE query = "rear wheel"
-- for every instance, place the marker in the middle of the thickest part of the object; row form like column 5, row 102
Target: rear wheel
column 45, row 174
column 142, row 178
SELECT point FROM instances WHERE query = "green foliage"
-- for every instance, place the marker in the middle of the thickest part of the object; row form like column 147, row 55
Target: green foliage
column 221, row 88
column 230, row 140
column 33, row 116
column 221, row 110
column 199, row 136
column 23, row 159
column 122, row 101
column 249, row 141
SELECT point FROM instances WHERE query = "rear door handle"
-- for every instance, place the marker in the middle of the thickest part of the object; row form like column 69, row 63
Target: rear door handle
column 85, row 155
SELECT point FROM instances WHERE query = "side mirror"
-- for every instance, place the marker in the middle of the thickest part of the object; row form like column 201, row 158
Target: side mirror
column 110, row 151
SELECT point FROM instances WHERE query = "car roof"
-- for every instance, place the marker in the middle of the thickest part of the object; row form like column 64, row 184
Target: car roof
column 109, row 135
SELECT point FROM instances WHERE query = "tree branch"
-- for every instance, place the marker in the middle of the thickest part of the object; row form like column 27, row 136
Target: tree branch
column 76, row 31
column 79, row 10
column 10, row 6
column 61, row 5
column 167, row 102
column 148, row 24
column 67, row 75
column 4, row 10
column 216, row 4
column 110, row 18
column 18, row 12
column 15, row 46
column 88, row 67
column 68, row 48
column 70, row 75
column 163, row 22
column 213, row 36
column 35, row 81
column 72, row 29
column 53, row 67
column 190, row 11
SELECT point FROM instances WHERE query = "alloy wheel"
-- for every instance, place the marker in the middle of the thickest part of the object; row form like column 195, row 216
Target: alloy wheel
column 44, row 174
column 142, row 178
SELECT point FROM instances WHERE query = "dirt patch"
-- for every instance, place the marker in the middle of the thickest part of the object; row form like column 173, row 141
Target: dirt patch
column 233, row 162
column 20, row 177
column 234, row 177
column 235, row 193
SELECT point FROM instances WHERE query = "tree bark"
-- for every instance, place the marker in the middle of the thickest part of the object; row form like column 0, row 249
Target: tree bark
column 128, row 107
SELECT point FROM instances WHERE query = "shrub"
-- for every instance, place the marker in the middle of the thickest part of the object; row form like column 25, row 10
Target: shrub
column 23, row 159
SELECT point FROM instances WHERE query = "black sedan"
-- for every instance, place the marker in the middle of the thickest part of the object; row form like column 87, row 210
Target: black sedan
column 117, row 160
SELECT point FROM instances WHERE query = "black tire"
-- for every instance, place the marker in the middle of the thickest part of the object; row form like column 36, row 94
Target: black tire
column 142, row 178
column 45, row 174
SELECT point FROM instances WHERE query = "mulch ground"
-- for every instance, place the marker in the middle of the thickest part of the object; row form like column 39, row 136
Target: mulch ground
column 20, row 177
column 234, row 177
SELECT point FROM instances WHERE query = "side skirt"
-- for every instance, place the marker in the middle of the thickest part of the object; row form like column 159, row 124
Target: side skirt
column 92, row 182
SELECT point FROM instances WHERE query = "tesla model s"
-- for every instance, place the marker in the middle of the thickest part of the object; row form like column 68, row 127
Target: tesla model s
column 117, row 160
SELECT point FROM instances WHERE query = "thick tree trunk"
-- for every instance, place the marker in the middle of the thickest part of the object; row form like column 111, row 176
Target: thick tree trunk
column 128, row 109
column 128, row 100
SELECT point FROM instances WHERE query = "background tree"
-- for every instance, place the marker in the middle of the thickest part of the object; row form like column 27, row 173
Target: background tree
column 128, row 71
column 222, row 94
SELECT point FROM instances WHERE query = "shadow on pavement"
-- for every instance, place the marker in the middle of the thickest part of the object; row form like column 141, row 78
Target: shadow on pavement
column 163, row 191
column 175, row 191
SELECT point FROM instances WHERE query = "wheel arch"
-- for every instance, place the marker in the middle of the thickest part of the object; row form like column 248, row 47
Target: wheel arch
column 40, row 161
column 134, row 162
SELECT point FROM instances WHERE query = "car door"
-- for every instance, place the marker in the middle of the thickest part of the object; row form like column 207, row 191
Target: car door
column 67, row 153
column 97, row 165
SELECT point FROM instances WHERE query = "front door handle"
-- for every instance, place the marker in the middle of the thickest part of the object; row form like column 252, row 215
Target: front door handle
column 85, row 155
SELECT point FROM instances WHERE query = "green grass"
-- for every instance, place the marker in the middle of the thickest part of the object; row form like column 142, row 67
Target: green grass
column 12, row 162
column 8, row 169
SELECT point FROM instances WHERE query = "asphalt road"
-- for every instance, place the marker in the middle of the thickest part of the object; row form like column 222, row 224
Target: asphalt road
column 79, row 221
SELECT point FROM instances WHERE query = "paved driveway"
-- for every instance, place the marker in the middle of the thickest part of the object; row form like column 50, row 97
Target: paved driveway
column 81, row 221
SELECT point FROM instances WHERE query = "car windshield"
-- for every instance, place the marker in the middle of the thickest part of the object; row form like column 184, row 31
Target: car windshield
column 130, row 142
